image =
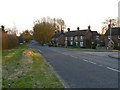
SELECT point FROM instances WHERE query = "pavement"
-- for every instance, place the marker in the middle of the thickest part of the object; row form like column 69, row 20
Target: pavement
column 115, row 55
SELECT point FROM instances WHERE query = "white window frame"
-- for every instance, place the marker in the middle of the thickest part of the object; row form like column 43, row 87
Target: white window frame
column 71, row 38
column 76, row 37
column 65, row 38
column 76, row 43
column 81, row 37
column 108, row 37
column 81, row 44
column 118, row 36
column 65, row 41
column 71, row 43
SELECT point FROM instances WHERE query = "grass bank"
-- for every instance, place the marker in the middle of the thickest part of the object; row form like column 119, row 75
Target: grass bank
column 26, row 68
column 92, row 50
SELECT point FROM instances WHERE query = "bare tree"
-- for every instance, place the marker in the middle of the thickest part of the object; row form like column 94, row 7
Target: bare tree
column 61, row 23
column 106, row 24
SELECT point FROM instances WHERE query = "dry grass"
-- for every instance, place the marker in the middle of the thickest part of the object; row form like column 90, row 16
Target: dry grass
column 26, row 68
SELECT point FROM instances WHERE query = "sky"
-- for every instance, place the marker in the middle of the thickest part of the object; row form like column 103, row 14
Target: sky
column 76, row 13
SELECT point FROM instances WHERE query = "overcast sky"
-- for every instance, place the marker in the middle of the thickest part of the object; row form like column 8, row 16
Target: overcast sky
column 22, row 13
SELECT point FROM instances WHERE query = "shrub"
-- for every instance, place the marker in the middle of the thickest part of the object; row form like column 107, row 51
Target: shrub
column 12, row 41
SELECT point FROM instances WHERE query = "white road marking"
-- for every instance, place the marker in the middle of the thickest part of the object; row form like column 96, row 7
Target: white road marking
column 39, row 50
column 93, row 62
column 100, row 65
column 113, row 69
column 89, row 61
column 73, row 56
column 64, row 54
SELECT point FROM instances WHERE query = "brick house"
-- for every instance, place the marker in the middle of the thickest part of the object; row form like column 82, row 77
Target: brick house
column 81, row 38
column 58, row 39
column 115, row 36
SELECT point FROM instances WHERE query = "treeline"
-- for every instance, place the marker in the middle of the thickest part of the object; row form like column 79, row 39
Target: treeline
column 11, row 40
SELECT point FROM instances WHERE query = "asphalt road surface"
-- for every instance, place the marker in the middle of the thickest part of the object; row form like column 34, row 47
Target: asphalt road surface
column 79, row 69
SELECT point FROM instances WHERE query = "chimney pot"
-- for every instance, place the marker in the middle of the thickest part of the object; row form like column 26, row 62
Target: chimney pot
column 109, row 26
column 68, row 29
column 89, row 27
column 78, row 28
column 3, row 28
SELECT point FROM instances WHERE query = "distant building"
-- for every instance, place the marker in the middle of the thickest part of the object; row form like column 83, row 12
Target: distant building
column 81, row 38
column 58, row 39
column 115, row 36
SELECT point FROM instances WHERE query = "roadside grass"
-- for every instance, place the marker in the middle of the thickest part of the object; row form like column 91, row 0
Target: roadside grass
column 91, row 50
column 24, row 67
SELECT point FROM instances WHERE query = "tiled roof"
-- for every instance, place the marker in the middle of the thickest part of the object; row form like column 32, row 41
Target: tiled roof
column 81, row 32
column 76, row 33
column 70, row 33
column 56, row 35
column 114, row 31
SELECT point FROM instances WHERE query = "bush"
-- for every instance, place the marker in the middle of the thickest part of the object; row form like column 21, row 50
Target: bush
column 116, row 46
column 8, row 40
column 12, row 41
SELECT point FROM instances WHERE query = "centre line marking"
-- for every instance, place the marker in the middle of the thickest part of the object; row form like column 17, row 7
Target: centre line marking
column 113, row 69
column 100, row 65
column 73, row 56
column 93, row 62
column 89, row 61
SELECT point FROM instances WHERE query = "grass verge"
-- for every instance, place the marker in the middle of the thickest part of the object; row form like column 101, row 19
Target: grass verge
column 92, row 50
column 26, row 68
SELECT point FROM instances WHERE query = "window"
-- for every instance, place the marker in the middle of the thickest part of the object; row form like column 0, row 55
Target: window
column 71, row 43
column 76, row 43
column 65, row 38
column 71, row 38
column 97, row 37
column 75, row 37
column 65, row 42
column 118, row 36
column 108, row 37
column 81, row 44
column 81, row 37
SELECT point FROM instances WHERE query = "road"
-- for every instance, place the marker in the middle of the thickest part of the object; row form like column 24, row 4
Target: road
column 79, row 69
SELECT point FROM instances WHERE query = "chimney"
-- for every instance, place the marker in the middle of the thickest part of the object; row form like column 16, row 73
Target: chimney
column 3, row 28
column 89, row 27
column 109, row 26
column 78, row 28
column 68, row 29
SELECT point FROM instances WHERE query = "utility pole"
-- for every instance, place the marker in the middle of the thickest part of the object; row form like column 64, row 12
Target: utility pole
column 110, row 32
column 111, row 41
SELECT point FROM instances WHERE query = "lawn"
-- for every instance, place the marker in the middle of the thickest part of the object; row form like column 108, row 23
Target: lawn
column 24, row 67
